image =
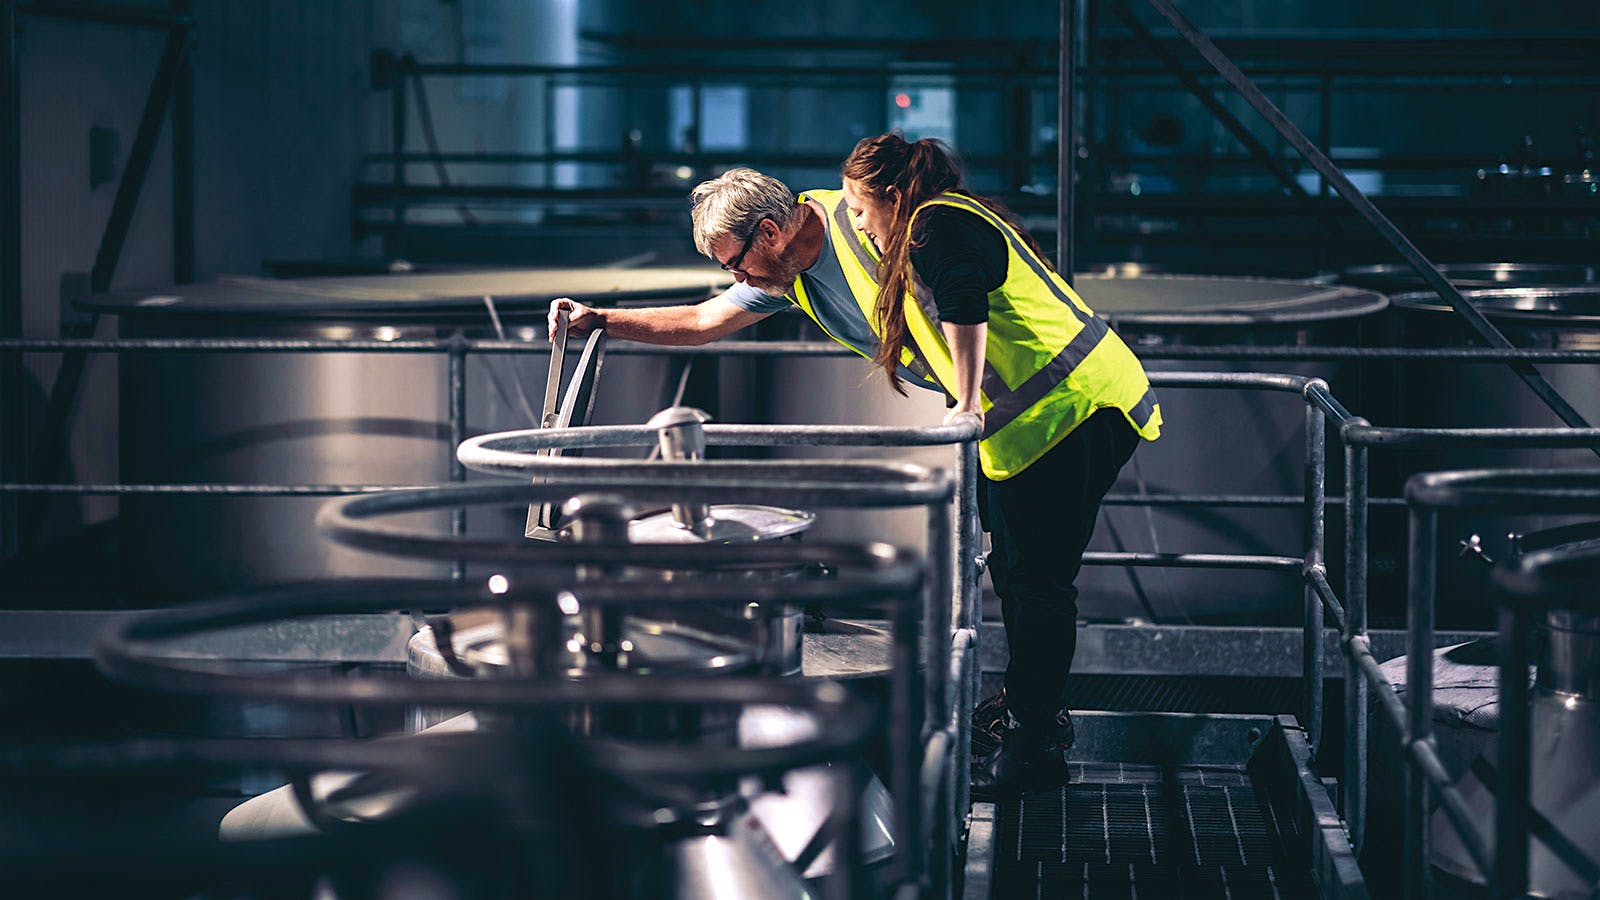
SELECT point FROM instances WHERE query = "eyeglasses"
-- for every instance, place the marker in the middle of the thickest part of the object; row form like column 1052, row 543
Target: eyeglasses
column 733, row 265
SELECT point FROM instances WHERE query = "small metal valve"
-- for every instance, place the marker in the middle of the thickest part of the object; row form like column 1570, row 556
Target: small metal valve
column 1472, row 548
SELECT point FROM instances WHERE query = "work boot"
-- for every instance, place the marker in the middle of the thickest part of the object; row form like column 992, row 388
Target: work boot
column 989, row 722
column 1027, row 760
column 991, row 719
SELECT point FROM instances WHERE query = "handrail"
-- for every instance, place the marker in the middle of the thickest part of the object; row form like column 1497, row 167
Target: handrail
column 1356, row 435
column 1525, row 490
column 1217, row 353
column 1505, row 490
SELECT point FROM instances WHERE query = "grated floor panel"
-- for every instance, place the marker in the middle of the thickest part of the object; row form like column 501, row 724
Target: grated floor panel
column 1122, row 831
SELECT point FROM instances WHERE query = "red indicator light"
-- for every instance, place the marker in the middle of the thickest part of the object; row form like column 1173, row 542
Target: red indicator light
column 902, row 100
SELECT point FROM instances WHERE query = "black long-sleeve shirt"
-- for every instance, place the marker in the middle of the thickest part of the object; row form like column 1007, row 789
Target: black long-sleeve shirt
column 961, row 258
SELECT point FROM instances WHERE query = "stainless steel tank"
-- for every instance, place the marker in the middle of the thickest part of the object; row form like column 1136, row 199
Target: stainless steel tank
column 849, row 391
column 1218, row 441
column 1397, row 278
column 1564, row 770
column 1458, row 395
column 332, row 418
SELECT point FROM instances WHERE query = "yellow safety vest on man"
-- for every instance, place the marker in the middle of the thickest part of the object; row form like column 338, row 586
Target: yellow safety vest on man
column 1049, row 362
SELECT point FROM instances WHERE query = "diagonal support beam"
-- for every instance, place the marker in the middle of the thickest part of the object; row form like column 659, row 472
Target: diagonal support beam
column 1365, row 208
column 144, row 148
column 170, row 82
column 1222, row 113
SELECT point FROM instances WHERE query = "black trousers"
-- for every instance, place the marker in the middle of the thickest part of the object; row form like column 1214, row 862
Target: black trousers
column 1039, row 523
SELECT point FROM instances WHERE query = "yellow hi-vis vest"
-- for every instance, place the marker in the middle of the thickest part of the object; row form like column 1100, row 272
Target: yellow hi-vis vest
column 1049, row 361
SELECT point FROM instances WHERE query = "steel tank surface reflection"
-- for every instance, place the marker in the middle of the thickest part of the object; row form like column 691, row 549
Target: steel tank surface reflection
column 332, row 417
column 1399, row 279
column 1461, row 395
column 840, row 390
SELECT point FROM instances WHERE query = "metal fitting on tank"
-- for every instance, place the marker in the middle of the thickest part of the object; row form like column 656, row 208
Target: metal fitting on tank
column 1472, row 548
column 681, row 438
column 599, row 519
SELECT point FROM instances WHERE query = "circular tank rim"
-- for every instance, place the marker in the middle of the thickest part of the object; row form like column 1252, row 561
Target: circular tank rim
column 1491, row 302
column 1548, row 538
column 1406, row 279
column 408, row 295
column 1320, row 302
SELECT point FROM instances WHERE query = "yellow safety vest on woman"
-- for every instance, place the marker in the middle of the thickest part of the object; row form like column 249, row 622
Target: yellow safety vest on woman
column 1049, row 362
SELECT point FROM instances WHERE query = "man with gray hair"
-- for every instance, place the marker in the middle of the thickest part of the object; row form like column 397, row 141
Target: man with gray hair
column 781, row 249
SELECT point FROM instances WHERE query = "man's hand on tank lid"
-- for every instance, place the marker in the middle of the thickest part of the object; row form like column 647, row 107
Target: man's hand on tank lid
column 580, row 319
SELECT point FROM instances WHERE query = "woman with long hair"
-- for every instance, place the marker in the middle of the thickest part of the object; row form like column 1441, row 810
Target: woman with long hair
column 965, row 292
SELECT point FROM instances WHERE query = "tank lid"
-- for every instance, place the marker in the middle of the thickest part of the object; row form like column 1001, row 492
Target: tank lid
column 1223, row 300
column 1578, row 304
column 411, row 294
column 660, row 646
column 730, row 524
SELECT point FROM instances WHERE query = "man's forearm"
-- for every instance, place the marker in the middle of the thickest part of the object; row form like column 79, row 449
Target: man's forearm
column 678, row 326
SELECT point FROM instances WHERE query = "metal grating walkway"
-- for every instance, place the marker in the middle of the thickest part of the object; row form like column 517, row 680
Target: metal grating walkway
column 1130, row 831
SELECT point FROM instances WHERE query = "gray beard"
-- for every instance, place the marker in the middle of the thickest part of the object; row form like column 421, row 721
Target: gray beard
column 781, row 284
column 775, row 288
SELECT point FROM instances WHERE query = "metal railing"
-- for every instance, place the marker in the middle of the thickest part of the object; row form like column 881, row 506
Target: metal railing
column 1413, row 718
column 953, row 672
column 1355, row 434
column 914, row 606
column 931, row 799
column 1358, row 437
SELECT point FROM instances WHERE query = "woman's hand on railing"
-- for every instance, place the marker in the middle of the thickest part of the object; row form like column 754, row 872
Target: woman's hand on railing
column 954, row 416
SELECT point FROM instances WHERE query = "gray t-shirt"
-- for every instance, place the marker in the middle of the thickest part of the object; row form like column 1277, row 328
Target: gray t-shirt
column 835, row 306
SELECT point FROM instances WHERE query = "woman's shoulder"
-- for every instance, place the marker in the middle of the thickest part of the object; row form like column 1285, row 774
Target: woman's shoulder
column 945, row 217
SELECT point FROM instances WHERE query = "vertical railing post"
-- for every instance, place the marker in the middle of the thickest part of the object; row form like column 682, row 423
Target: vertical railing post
column 457, row 375
column 936, row 699
column 1513, row 757
column 1067, row 141
column 395, row 245
column 941, row 596
column 12, row 442
column 183, row 169
column 905, row 733
column 1354, row 795
column 1424, row 526
column 969, row 614
column 1315, row 532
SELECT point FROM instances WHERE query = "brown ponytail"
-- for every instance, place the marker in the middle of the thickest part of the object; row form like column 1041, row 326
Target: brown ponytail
column 918, row 171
